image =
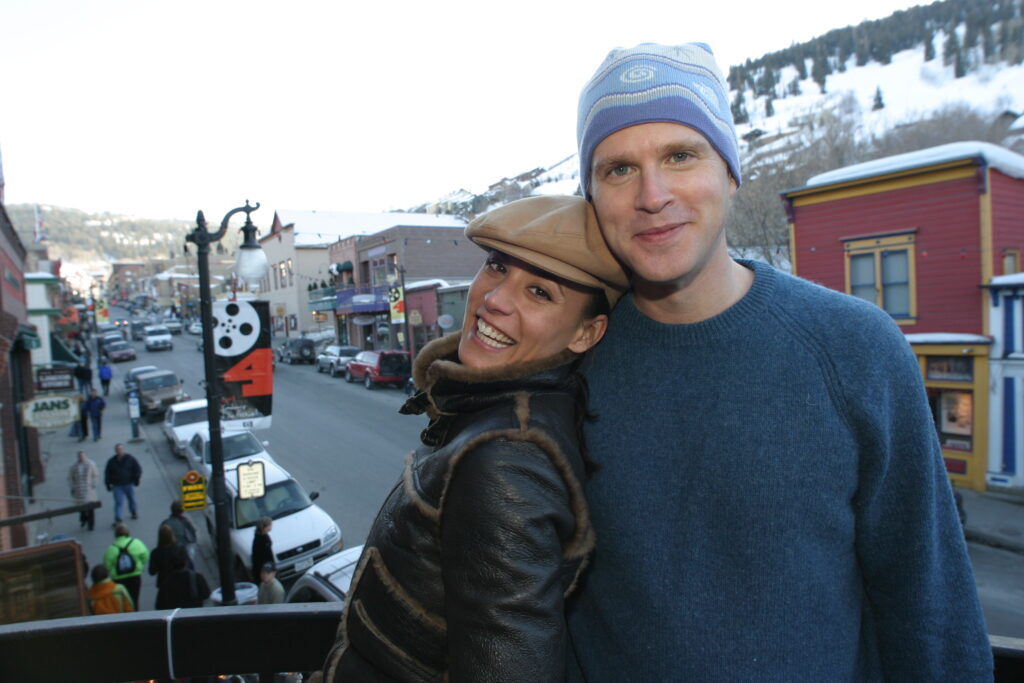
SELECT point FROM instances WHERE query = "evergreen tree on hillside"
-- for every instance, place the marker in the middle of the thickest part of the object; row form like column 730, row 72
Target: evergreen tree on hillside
column 739, row 109
column 801, row 66
column 861, row 47
column 769, row 108
column 878, row 103
column 794, row 87
column 820, row 68
column 929, row 45
column 766, row 83
column 951, row 48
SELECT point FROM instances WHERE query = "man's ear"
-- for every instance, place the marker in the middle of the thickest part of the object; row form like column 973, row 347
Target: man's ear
column 589, row 333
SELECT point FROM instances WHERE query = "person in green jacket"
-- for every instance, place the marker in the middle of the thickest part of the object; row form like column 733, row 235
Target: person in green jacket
column 128, row 576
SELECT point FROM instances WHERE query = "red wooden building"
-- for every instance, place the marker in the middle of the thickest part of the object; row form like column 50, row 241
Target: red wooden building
column 922, row 235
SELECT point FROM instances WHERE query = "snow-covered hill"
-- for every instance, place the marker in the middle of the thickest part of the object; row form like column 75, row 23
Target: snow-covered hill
column 910, row 88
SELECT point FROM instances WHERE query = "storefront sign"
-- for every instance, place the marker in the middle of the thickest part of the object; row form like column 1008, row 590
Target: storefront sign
column 415, row 317
column 55, row 379
column 50, row 411
column 193, row 491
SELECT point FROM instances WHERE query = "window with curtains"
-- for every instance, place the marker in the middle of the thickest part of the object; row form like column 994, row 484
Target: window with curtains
column 881, row 269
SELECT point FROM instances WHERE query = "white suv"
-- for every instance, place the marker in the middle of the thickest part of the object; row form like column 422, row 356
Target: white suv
column 157, row 337
column 302, row 534
column 182, row 421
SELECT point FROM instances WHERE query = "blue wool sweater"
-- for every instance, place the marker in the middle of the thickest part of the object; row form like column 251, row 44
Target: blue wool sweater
column 772, row 502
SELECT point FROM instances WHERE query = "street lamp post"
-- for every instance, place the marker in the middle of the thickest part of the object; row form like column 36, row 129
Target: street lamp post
column 203, row 238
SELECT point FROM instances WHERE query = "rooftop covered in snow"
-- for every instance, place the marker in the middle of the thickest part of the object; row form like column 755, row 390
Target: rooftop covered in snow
column 1010, row 163
column 318, row 228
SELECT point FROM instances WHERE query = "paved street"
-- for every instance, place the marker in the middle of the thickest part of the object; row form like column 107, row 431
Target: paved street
column 349, row 444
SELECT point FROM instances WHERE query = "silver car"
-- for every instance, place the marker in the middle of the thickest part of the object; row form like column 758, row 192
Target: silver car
column 332, row 359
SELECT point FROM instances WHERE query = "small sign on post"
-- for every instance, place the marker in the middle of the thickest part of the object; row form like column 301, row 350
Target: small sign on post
column 251, row 480
column 193, row 491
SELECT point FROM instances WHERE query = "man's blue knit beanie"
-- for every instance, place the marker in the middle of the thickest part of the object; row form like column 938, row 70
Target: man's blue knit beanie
column 648, row 83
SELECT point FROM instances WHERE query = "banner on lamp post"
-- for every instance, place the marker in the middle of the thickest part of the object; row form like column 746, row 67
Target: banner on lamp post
column 243, row 363
column 396, row 298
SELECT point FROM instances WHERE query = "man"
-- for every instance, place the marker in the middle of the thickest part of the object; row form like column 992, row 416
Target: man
column 184, row 531
column 123, row 473
column 94, row 407
column 83, row 373
column 271, row 591
column 82, row 478
column 125, row 559
column 771, row 502
column 106, row 374
column 105, row 596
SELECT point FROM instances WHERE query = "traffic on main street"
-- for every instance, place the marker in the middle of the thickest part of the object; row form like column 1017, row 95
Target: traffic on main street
column 337, row 439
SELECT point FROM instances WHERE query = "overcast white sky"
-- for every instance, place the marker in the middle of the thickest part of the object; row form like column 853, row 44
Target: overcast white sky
column 159, row 109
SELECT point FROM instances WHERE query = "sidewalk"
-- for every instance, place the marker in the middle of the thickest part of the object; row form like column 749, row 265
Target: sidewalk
column 995, row 519
column 157, row 489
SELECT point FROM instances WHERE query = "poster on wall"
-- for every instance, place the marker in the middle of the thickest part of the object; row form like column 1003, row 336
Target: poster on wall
column 957, row 412
column 243, row 363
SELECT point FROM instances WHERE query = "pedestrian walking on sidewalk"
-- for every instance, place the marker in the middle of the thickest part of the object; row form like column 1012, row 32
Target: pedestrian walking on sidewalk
column 184, row 586
column 94, row 408
column 107, row 597
column 123, row 473
column 125, row 559
column 183, row 529
column 106, row 374
column 82, row 478
column 271, row 591
column 161, row 563
column 83, row 373
column 262, row 547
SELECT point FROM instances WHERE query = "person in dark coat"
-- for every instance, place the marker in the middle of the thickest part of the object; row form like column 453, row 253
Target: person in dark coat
column 83, row 373
column 183, row 586
column 262, row 547
column 161, row 563
column 94, row 407
column 184, row 530
column 122, row 475
column 466, row 570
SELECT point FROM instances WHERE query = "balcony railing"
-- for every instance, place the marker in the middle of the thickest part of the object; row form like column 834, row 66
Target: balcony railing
column 260, row 639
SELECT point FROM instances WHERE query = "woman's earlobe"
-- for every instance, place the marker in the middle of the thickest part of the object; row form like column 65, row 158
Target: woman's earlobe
column 591, row 332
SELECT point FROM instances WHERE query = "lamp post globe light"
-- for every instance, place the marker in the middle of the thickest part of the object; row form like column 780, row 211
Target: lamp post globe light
column 251, row 262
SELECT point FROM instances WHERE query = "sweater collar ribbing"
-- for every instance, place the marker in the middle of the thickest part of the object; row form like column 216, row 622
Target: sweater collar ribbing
column 735, row 319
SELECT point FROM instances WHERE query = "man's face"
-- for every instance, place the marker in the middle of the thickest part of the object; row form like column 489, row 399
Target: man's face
column 662, row 193
column 119, row 450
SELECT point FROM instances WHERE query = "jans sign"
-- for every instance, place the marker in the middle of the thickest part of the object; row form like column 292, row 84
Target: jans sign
column 50, row 412
column 244, row 366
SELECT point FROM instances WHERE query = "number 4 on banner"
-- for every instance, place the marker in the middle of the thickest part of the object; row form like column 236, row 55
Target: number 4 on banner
column 255, row 371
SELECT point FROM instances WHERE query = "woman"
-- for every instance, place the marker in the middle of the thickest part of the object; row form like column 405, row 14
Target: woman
column 466, row 568
column 182, row 586
column 161, row 560
column 262, row 547
column 82, row 478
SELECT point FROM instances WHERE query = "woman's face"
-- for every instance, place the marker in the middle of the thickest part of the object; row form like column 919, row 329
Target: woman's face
column 517, row 313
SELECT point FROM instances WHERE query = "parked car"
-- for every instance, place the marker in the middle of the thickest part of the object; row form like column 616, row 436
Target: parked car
column 195, row 328
column 298, row 350
column 173, row 325
column 379, row 367
column 182, row 421
column 334, row 357
column 158, row 337
column 131, row 378
column 328, row 580
column 105, row 340
column 303, row 533
column 235, row 445
column 158, row 390
column 137, row 329
column 119, row 351
column 105, row 328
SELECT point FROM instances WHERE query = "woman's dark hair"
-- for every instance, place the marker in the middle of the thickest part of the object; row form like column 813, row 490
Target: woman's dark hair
column 165, row 536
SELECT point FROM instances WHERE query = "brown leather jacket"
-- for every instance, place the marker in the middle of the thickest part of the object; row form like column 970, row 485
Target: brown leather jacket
column 466, row 568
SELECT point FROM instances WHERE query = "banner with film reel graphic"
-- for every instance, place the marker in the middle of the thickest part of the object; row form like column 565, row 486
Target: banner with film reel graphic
column 243, row 363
